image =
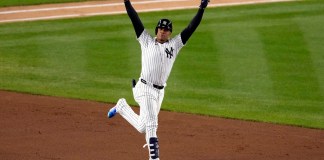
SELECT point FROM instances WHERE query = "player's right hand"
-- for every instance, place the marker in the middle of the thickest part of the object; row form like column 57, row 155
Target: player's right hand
column 203, row 4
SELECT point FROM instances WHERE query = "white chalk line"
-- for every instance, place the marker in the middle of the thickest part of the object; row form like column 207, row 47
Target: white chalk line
column 140, row 10
column 84, row 6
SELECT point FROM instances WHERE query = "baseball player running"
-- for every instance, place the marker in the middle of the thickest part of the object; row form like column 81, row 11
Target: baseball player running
column 158, row 56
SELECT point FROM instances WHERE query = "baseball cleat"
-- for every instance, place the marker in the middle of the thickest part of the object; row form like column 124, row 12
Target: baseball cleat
column 112, row 112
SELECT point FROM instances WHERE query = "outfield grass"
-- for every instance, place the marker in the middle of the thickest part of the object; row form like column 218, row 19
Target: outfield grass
column 6, row 3
column 258, row 62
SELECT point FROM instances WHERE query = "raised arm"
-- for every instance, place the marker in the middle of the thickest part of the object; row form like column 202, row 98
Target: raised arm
column 188, row 31
column 136, row 21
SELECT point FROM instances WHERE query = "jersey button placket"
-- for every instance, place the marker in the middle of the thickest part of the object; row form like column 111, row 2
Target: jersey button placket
column 162, row 61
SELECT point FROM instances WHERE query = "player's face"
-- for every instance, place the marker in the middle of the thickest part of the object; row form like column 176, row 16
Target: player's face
column 163, row 35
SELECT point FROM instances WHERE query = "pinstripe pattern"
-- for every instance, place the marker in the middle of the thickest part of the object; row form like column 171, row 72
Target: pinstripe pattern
column 157, row 62
column 150, row 101
column 158, row 57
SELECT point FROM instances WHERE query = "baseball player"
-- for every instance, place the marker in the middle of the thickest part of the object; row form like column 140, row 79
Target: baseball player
column 158, row 56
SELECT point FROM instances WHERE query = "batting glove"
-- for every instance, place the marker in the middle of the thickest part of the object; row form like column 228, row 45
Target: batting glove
column 203, row 4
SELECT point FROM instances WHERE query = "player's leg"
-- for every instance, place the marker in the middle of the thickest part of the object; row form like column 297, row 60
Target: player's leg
column 150, row 115
column 153, row 144
column 130, row 116
column 160, row 100
column 148, row 99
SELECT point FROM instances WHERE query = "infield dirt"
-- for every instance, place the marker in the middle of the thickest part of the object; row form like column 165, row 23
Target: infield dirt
column 40, row 127
column 91, row 8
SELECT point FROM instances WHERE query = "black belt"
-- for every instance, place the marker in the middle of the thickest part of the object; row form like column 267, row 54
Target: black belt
column 154, row 85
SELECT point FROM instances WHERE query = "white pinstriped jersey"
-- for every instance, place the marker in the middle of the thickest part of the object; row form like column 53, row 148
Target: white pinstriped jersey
column 157, row 58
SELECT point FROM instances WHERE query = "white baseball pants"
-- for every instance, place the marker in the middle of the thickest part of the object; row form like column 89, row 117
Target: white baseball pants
column 149, row 100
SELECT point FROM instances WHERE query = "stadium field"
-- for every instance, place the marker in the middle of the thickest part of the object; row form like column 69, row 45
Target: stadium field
column 255, row 62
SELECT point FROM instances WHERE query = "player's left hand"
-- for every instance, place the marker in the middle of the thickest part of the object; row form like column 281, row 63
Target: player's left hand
column 203, row 4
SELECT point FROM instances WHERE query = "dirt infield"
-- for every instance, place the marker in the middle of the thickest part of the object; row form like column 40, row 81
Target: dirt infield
column 91, row 8
column 40, row 127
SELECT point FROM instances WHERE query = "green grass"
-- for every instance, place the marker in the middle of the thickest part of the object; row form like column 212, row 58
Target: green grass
column 6, row 3
column 255, row 62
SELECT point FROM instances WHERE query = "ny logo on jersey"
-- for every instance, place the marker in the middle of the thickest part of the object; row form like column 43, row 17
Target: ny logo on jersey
column 169, row 52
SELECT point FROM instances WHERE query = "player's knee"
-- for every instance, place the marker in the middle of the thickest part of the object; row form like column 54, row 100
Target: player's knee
column 141, row 130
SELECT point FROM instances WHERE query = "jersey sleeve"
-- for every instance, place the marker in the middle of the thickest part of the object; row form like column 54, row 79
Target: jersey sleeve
column 178, row 41
column 145, row 38
column 188, row 31
column 136, row 21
